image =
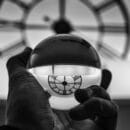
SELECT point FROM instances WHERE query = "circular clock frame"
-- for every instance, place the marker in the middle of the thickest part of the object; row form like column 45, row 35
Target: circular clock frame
column 64, row 85
column 62, row 25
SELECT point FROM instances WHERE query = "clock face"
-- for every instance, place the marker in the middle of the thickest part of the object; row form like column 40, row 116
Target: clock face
column 27, row 22
column 64, row 85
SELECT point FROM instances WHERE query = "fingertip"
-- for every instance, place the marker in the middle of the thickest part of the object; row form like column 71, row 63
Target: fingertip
column 28, row 50
column 82, row 95
column 98, row 91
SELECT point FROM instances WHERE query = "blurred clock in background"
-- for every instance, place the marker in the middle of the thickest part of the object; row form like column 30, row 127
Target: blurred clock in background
column 27, row 22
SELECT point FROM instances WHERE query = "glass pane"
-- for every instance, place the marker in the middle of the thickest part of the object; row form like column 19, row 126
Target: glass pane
column 27, row 1
column 9, row 38
column 91, row 37
column 10, row 11
column 117, row 42
column 47, row 9
column 79, row 14
column 97, row 2
column 35, row 36
column 113, row 15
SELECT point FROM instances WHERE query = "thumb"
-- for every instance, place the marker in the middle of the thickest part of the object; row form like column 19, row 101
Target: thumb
column 19, row 60
column 106, row 78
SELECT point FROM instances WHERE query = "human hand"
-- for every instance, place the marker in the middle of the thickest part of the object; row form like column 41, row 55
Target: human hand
column 96, row 105
column 27, row 104
column 96, row 110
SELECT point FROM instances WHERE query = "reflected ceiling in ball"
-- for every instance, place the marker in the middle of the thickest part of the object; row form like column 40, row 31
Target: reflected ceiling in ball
column 64, row 49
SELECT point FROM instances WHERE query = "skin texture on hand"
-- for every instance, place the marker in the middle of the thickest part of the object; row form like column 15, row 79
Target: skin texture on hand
column 27, row 103
column 28, row 107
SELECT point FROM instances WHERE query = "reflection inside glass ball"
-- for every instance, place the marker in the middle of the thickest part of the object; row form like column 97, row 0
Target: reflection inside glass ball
column 61, row 81
column 64, row 80
column 64, row 85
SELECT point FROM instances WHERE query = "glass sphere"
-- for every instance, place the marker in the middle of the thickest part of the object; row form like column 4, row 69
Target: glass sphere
column 62, row 64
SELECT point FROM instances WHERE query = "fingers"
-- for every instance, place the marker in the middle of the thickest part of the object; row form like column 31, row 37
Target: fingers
column 89, row 97
column 106, row 78
column 94, row 107
column 82, row 95
column 18, row 61
column 97, row 106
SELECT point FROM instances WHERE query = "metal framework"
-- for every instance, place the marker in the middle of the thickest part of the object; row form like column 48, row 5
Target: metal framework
column 62, row 25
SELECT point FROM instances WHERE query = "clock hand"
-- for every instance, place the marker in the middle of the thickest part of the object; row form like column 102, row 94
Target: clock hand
column 62, row 7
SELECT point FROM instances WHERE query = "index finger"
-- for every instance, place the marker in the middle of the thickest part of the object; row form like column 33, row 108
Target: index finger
column 82, row 95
